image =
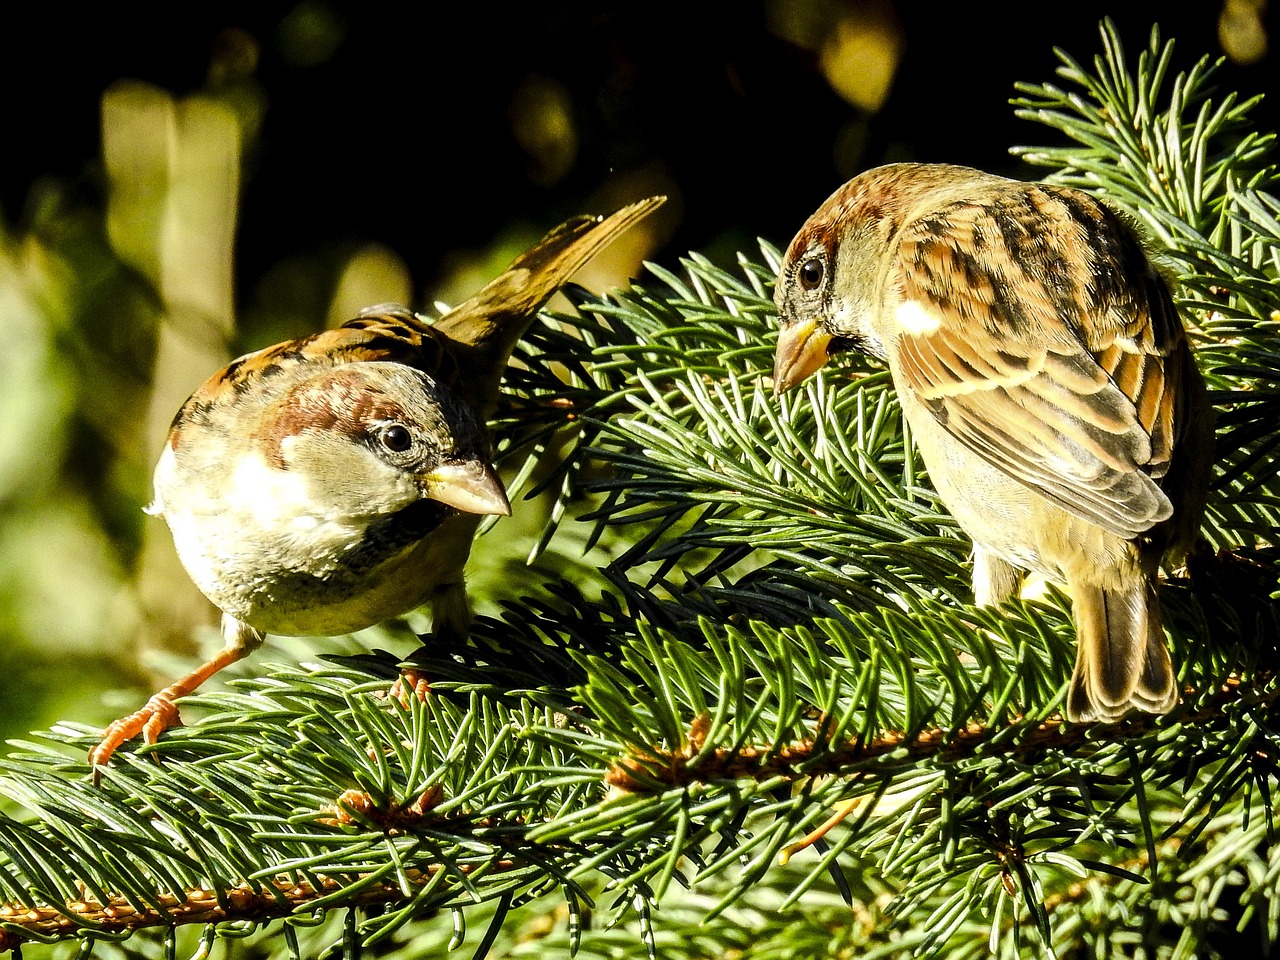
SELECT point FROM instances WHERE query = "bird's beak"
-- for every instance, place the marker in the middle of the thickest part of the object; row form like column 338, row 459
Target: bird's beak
column 802, row 349
column 467, row 485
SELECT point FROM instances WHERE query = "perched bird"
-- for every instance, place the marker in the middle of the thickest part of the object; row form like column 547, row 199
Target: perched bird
column 325, row 484
column 1048, row 383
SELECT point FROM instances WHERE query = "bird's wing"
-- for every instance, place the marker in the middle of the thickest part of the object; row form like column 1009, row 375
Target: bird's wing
column 535, row 275
column 468, row 348
column 1033, row 327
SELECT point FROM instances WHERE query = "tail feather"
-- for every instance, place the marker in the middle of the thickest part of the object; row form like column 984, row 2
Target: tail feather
column 1122, row 662
column 493, row 321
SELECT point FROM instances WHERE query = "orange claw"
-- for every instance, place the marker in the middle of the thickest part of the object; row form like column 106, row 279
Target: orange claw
column 156, row 716
column 411, row 681
column 160, row 712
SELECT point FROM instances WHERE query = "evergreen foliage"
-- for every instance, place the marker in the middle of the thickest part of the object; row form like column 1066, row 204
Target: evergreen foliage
column 746, row 618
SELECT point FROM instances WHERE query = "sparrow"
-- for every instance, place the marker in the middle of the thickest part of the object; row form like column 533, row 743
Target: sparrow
column 325, row 484
column 1047, row 381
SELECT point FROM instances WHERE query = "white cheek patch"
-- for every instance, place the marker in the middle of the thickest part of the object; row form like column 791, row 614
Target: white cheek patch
column 916, row 320
column 844, row 315
column 271, row 496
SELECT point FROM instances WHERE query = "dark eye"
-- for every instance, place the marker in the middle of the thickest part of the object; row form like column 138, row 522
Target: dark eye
column 397, row 438
column 811, row 272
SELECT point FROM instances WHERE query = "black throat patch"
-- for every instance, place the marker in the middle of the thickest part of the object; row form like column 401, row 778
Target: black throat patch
column 386, row 537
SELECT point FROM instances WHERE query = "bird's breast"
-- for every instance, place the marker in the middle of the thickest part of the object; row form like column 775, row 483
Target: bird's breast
column 380, row 579
column 1006, row 516
column 267, row 548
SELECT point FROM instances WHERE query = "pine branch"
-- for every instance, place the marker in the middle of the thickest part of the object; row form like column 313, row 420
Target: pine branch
column 697, row 763
column 347, row 798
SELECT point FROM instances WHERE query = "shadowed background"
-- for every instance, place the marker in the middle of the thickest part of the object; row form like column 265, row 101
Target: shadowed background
column 176, row 188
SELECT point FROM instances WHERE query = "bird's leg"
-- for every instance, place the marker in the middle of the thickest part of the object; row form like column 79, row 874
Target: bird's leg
column 995, row 579
column 161, row 712
column 450, row 624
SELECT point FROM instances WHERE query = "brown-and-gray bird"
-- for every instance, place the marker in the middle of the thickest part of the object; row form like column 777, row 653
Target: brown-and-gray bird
column 1048, row 383
column 326, row 484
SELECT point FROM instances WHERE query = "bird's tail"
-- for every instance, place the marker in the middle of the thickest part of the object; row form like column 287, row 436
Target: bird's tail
column 1122, row 662
column 493, row 321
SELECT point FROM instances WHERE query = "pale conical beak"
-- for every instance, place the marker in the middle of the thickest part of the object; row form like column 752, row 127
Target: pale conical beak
column 468, row 485
column 802, row 349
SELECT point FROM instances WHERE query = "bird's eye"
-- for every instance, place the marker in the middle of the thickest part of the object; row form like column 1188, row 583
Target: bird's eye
column 397, row 438
column 811, row 272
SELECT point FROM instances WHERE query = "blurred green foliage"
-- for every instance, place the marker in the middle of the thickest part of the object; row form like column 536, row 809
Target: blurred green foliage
column 71, row 474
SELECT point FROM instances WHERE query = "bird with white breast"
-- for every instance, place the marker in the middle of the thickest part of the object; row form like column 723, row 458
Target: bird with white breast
column 326, row 484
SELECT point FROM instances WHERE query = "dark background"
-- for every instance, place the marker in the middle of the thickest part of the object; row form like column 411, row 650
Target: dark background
column 393, row 124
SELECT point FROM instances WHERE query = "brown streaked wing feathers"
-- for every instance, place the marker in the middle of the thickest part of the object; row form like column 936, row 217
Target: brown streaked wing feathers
column 1154, row 383
column 396, row 336
column 1088, row 424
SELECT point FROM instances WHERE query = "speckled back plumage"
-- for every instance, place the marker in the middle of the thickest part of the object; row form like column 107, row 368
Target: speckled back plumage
column 1038, row 354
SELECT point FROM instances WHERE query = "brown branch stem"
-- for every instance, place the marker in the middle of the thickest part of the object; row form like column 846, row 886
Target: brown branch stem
column 643, row 772
column 268, row 901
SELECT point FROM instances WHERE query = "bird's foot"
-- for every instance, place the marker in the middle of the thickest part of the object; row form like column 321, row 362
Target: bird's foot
column 156, row 716
column 411, row 683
